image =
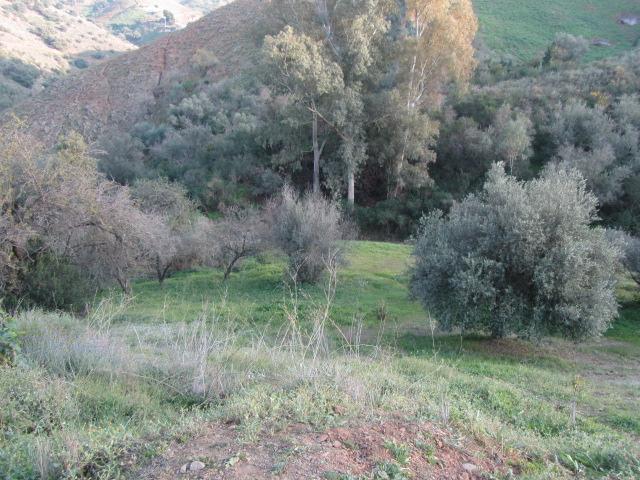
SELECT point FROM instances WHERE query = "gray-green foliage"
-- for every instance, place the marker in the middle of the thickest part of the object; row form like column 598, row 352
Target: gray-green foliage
column 566, row 48
column 630, row 247
column 308, row 230
column 519, row 257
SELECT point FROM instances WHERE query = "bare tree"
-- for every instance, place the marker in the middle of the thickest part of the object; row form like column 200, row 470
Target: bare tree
column 240, row 234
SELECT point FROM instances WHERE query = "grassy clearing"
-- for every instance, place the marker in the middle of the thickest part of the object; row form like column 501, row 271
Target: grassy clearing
column 524, row 29
column 372, row 284
column 98, row 397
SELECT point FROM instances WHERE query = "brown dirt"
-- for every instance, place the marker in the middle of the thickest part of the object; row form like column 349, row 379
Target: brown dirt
column 299, row 452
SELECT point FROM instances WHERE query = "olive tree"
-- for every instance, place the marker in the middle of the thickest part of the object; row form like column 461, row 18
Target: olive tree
column 519, row 257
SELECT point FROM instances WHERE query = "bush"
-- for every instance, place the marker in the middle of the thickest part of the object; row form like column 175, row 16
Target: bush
column 520, row 257
column 308, row 230
column 8, row 340
column 630, row 247
column 566, row 48
column 80, row 63
column 53, row 283
column 20, row 72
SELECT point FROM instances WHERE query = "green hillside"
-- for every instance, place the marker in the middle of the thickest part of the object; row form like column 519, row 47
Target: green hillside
column 523, row 29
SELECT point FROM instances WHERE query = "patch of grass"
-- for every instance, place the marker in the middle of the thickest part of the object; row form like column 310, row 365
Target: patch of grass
column 524, row 29
column 375, row 274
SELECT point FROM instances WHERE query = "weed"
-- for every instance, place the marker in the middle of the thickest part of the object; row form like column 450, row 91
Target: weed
column 398, row 451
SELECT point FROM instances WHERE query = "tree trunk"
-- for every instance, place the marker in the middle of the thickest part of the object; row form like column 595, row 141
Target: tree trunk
column 316, row 155
column 351, row 188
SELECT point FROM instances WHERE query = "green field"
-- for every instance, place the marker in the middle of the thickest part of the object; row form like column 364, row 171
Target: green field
column 524, row 28
column 123, row 382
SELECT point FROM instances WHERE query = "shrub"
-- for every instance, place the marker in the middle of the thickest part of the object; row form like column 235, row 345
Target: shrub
column 520, row 257
column 20, row 72
column 80, row 63
column 630, row 248
column 8, row 340
column 54, row 283
column 566, row 48
column 308, row 230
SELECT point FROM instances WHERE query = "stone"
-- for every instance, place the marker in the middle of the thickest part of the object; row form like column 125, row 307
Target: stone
column 195, row 466
column 469, row 467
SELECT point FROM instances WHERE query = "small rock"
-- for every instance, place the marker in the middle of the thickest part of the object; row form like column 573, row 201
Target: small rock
column 323, row 438
column 337, row 444
column 192, row 467
column 469, row 467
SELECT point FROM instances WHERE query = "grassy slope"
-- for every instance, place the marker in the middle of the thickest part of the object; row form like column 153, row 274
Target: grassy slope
column 375, row 277
column 509, row 392
column 524, row 28
column 528, row 389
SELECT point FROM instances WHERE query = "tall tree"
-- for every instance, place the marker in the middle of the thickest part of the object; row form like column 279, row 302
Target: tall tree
column 298, row 66
column 436, row 48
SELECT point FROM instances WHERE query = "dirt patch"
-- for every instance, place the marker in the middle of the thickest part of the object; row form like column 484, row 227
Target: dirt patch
column 299, row 452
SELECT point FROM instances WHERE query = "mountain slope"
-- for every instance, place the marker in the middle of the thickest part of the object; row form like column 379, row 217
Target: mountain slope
column 121, row 90
column 50, row 35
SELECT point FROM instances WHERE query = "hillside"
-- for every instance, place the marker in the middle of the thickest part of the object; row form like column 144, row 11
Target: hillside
column 142, row 21
column 201, row 371
column 524, row 29
column 51, row 35
column 119, row 91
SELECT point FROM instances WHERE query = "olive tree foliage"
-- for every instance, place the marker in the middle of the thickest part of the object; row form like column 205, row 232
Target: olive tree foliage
column 519, row 258
column 512, row 136
column 604, row 147
column 57, row 205
column 308, row 229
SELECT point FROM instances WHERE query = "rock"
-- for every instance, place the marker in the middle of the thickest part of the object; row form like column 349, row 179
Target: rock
column 323, row 438
column 192, row 467
column 469, row 467
column 337, row 444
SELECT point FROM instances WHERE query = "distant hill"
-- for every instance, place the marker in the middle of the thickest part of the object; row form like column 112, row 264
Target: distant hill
column 51, row 35
column 40, row 39
column 523, row 28
column 142, row 21
column 122, row 90
column 59, row 36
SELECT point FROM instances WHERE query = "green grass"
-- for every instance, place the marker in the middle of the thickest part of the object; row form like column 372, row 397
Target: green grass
column 372, row 284
column 513, row 393
column 524, row 28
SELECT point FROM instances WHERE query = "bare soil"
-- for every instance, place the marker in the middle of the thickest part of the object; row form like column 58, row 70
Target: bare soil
column 299, row 452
